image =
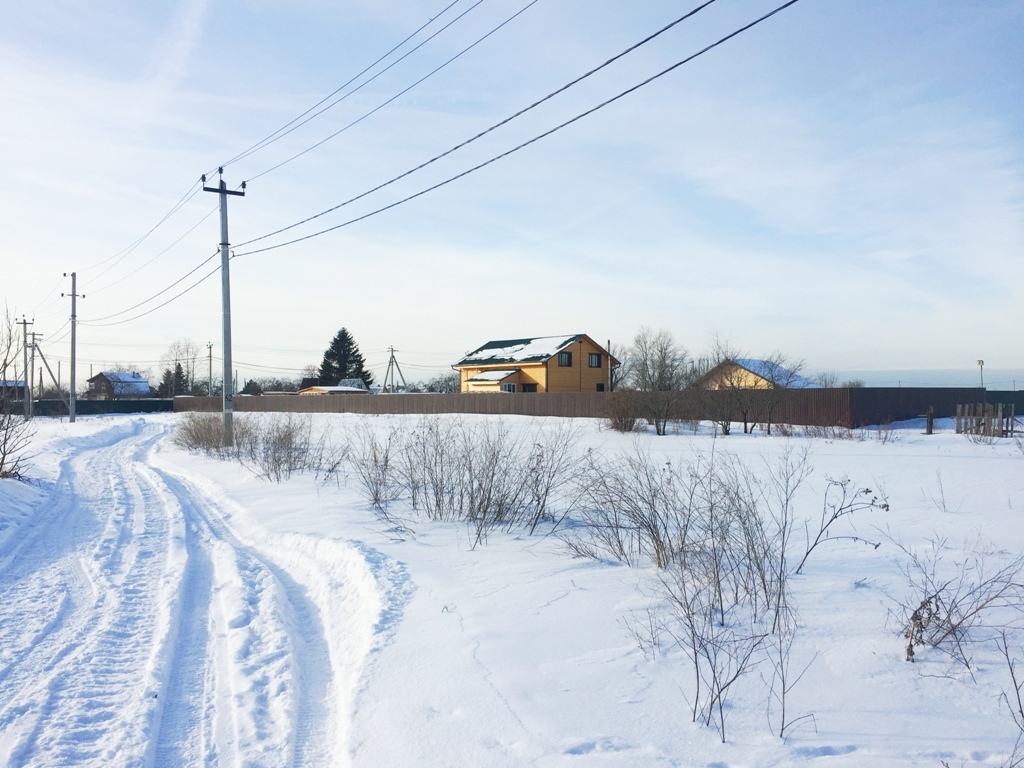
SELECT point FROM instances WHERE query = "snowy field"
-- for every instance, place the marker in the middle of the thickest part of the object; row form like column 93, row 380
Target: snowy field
column 164, row 608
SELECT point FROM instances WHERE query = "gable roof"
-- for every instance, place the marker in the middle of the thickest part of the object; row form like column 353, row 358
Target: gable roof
column 338, row 390
column 774, row 373
column 503, row 352
column 125, row 383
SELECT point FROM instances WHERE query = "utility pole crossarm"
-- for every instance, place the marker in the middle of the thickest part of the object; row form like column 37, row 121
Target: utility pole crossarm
column 222, row 190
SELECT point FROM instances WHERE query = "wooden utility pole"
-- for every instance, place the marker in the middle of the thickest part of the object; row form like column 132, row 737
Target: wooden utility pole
column 225, row 281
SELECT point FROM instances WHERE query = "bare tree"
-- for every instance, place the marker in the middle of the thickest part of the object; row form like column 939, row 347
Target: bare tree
column 827, row 379
column 730, row 393
column 619, row 373
column 15, row 432
column 659, row 370
column 783, row 373
column 187, row 354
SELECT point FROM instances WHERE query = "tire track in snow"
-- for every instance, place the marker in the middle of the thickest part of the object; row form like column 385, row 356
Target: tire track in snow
column 72, row 694
column 139, row 629
column 267, row 692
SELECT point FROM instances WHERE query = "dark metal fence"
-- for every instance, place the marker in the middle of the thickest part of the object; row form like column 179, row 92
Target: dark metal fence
column 813, row 407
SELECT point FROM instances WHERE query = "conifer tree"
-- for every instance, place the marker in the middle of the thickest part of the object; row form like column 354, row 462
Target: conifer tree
column 342, row 360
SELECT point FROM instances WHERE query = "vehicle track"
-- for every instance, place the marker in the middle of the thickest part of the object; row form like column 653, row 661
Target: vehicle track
column 139, row 629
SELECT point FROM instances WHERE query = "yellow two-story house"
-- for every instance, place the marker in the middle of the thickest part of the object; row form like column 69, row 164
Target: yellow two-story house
column 545, row 364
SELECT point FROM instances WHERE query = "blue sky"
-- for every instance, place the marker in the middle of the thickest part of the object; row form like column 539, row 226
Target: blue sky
column 843, row 183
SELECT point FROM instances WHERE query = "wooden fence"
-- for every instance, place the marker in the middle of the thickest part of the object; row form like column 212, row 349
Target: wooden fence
column 985, row 419
column 812, row 407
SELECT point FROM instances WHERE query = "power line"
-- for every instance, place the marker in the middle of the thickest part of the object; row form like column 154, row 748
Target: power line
column 505, row 154
column 494, row 127
column 95, row 322
column 124, row 252
column 402, row 92
column 294, row 123
column 118, row 257
column 138, row 269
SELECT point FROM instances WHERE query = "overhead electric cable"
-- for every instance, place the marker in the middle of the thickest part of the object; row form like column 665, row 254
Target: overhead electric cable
column 515, row 149
column 95, row 321
column 494, row 127
column 400, row 93
column 124, row 252
column 199, row 282
column 188, row 232
column 293, row 124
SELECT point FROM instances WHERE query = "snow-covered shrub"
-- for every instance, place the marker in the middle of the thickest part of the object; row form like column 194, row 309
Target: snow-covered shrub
column 15, row 439
column 375, row 460
column 277, row 446
column 485, row 475
column 200, row 433
column 953, row 600
column 621, row 412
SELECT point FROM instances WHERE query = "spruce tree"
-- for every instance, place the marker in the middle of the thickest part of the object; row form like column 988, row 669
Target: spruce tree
column 342, row 360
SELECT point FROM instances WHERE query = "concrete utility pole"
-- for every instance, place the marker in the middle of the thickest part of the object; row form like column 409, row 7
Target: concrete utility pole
column 222, row 190
column 27, row 405
column 389, row 376
column 209, row 349
column 36, row 337
column 74, row 328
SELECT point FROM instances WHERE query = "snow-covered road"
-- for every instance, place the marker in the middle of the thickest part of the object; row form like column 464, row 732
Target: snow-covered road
column 140, row 628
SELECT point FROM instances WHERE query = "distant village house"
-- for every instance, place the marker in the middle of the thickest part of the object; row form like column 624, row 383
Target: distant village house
column 118, row 385
column 751, row 373
column 343, row 387
column 544, row 364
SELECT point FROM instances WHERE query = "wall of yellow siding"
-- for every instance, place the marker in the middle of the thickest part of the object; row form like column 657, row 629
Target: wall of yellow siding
column 549, row 377
column 528, row 374
column 734, row 377
column 580, row 377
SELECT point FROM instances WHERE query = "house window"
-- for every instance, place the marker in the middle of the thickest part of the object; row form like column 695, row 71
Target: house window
column 529, row 387
column 600, row 386
column 508, row 387
column 565, row 359
column 594, row 359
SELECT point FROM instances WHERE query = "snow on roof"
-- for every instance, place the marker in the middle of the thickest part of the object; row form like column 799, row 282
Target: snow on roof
column 320, row 390
column 353, row 384
column 11, row 383
column 535, row 350
column 127, row 383
column 493, row 375
column 775, row 373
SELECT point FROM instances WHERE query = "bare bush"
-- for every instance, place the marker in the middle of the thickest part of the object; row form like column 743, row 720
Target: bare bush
column 621, row 412
column 278, row 447
column 16, row 432
column 828, row 432
column 635, row 508
column 720, row 641
column 948, row 602
column 274, row 448
column 551, row 465
column 200, row 433
column 375, row 460
column 842, row 498
column 1012, row 700
column 15, row 440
